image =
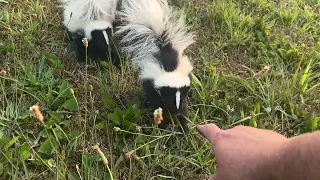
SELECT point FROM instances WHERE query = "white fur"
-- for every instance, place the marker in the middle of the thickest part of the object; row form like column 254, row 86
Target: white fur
column 144, row 21
column 79, row 13
column 96, row 25
column 172, row 79
column 178, row 96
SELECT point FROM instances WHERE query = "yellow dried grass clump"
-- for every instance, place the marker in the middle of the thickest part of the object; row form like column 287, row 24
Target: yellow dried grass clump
column 37, row 113
column 85, row 42
column 157, row 115
column 3, row 73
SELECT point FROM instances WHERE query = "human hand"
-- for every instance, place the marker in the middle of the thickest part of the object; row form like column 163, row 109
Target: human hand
column 244, row 152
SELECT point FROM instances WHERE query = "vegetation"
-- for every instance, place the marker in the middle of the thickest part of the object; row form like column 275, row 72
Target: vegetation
column 256, row 63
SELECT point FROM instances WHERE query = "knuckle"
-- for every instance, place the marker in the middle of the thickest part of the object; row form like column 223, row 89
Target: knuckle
column 222, row 135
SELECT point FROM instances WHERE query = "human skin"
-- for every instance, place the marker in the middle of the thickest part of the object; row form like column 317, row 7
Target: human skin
column 250, row 153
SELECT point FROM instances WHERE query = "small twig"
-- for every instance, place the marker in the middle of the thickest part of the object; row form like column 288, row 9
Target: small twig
column 262, row 71
column 78, row 170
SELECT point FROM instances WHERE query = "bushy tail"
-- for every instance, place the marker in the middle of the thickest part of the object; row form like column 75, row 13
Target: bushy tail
column 89, row 10
column 144, row 22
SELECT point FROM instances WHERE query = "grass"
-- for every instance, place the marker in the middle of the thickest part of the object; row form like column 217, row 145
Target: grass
column 256, row 63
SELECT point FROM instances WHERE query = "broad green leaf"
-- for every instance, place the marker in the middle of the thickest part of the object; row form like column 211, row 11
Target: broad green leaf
column 66, row 123
column 134, row 101
column 100, row 125
column 313, row 124
column 253, row 123
column 3, row 141
column 55, row 116
column 136, row 117
column 44, row 133
column 55, row 61
column 71, row 105
column 119, row 161
column 65, row 89
column 51, row 163
column 109, row 103
column 10, row 143
column 24, row 147
column 118, row 112
column 47, row 146
column 114, row 118
column 128, row 125
column 74, row 134
column 26, row 155
column 129, row 114
column 58, row 132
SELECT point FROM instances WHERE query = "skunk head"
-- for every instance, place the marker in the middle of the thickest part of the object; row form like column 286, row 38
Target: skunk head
column 166, row 82
column 99, row 34
column 172, row 98
column 98, row 29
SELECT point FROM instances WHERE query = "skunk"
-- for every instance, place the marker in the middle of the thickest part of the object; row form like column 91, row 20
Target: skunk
column 91, row 19
column 156, row 37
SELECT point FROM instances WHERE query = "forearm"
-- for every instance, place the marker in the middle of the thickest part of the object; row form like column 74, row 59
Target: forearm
column 300, row 158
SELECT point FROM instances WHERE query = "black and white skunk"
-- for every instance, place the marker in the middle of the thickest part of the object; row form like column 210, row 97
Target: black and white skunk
column 92, row 19
column 156, row 36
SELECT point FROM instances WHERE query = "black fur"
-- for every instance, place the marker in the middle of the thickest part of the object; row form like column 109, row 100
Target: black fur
column 98, row 49
column 166, row 99
column 168, row 57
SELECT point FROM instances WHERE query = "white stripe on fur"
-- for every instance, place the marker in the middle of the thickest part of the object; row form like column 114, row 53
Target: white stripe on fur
column 177, row 78
column 106, row 37
column 144, row 21
column 96, row 25
column 178, row 96
column 172, row 79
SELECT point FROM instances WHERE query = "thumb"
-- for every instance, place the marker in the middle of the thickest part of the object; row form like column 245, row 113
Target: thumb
column 208, row 131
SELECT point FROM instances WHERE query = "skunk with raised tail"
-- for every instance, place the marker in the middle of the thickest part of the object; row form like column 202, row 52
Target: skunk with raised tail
column 156, row 36
column 92, row 19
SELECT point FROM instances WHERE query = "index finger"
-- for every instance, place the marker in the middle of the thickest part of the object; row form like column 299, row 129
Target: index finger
column 208, row 131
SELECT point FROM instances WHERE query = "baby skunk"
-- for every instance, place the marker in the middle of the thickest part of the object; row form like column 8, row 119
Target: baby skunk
column 156, row 37
column 92, row 19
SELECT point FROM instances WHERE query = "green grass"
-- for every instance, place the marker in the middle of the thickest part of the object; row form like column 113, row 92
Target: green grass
column 83, row 104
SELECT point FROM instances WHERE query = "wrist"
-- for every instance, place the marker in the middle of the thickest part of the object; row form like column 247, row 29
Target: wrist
column 298, row 157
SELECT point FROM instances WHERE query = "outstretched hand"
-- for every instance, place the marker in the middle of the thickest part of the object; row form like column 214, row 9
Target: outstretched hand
column 243, row 152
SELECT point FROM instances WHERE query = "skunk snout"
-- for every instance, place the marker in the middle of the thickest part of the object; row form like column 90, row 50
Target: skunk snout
column 102, row 46
column 101, row 39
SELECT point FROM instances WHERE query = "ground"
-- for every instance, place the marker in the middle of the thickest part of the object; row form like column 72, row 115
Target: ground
column 256, row 63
